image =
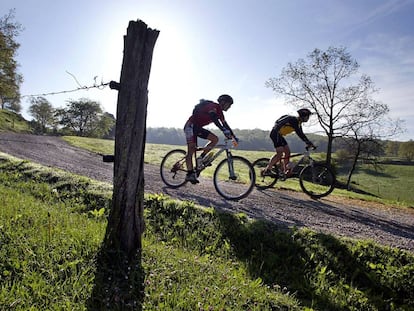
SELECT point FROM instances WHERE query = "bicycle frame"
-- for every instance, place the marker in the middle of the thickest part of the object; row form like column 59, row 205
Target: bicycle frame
column 233, row 176
column 221, row 148
column 305, row 157
column 315, row 179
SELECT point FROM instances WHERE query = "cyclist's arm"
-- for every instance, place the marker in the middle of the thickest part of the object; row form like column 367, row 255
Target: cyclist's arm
column 299, row 132
column 221, row 123
column 227, row 126
column 214, row 117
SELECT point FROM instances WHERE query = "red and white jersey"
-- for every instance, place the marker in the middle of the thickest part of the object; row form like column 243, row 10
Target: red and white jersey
column 202, row 116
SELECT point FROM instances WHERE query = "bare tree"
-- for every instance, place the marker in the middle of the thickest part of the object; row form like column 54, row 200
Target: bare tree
column 325, row 82
column 366, row 130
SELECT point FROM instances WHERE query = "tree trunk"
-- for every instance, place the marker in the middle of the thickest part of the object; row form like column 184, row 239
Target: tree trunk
column 330, row 134
column 354, row 163
column 126, row 224
column 329, row 151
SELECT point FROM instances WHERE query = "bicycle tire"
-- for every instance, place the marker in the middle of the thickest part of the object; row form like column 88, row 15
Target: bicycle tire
column 238, row 187
column 317, row 180
column 263, row 182
column 173, row 168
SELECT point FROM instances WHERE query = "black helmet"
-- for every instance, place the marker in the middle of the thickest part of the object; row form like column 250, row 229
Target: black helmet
column 225, row 98
column 304, row 112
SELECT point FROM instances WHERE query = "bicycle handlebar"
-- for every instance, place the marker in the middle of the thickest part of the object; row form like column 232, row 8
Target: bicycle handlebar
column 311, row 148
column 234, row 140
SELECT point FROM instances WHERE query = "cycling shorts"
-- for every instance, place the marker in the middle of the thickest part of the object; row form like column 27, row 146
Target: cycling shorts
column 277, row 139
column 193, row 131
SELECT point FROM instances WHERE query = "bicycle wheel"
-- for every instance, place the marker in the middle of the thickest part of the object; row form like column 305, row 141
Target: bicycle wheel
column 317, row 180
column 263, row 182
column 237, row 185
column 173, row 168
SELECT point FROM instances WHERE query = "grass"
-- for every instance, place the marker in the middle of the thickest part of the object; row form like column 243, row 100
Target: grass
column 47, row 252
column 392, row 184
column 50, row 241
column 194, row 258
column 12, row 122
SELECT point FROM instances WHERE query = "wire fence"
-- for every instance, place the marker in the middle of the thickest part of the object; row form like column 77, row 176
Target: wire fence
column 80, row 88
column 100, row 86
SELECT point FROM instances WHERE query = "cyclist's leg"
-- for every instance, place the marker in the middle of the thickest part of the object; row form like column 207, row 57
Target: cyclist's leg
column 212, row 140
column 286, row 158
column 267, row 171
column 279, row 143
column 191, row 148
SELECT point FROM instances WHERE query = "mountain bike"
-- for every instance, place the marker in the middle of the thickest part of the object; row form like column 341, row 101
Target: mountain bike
column 316, row 179
column 234, row 176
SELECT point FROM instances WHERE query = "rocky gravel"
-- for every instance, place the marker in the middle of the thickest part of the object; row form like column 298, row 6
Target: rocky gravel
column 387, row 225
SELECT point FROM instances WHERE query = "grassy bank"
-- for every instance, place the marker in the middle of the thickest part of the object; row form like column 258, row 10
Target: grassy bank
column 12, row 122
column 52, row 224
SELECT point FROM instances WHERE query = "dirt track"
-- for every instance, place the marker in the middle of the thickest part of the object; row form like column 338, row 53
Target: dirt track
column 352, row 218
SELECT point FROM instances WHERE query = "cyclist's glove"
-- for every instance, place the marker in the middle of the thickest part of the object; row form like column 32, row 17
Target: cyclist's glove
column 309, row 145
column 227, row 133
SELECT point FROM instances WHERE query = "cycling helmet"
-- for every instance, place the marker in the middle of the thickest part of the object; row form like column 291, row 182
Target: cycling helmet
column 225, row 98
column 304, row 112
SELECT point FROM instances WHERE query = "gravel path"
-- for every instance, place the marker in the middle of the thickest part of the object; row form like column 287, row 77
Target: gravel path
column 386, row 225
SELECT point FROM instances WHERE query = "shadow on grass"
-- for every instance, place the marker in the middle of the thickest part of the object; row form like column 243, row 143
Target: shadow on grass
column 322, row 271
column 375, row 173
column 118, row 284
column 305, row 263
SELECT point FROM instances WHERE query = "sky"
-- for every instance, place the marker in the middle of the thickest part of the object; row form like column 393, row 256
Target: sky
column 210, row 47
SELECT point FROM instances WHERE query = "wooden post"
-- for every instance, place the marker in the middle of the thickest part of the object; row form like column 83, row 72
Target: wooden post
column 126, row 224
column 119, row 262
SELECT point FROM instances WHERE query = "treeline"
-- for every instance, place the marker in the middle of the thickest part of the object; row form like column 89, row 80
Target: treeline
column 258, row 139
column 255, row 139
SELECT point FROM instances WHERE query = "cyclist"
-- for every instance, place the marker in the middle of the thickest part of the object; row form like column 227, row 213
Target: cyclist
column 285, row 125
column 205, row 113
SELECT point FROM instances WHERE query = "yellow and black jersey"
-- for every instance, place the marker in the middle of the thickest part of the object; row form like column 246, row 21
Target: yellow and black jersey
column 287, row 124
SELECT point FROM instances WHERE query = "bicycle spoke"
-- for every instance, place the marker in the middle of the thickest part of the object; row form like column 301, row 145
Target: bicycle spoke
column 236, row 181
column 173, row 168
column 317, row 181
column 263, row 182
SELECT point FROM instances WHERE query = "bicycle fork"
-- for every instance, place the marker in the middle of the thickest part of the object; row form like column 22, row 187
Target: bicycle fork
column 232, row 175
column 316, row 176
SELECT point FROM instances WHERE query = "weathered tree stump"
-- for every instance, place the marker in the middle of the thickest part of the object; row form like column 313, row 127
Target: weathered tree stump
column 126, row 224
column 119, row 267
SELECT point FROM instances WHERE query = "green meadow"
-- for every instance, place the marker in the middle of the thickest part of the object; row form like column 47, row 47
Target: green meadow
column 194, row 258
